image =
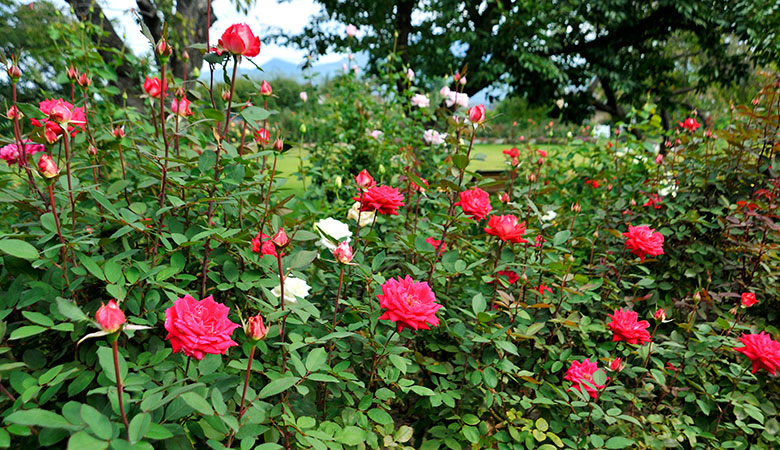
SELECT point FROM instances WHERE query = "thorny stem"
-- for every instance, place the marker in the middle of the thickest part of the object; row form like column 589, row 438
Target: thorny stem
column 120, row 388
column 165, row 138
column 377, row 355
column 66, row 140
column 284, row 319
column 59, row 233
column 336, row 309
column 241, row 409
column 23, row 152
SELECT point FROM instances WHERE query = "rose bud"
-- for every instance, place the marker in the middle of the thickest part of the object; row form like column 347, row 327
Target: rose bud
column 364, row 180
column 163, row 48
column 616, row 365
column 84, row 81
column 262, row 137
column 92, row 150
column 660, row 315
column 343, row 253
column 477, row 114
column 576, row 207
column 238, row 39
column 225, row 95
column 72, row 74
column 13, row 113
column 280, row 239
column 109, row 317
column 254, row 329
column 748, row 299
column 47, row 167
column 278, row 145
column 118, row 132
column 265, row 88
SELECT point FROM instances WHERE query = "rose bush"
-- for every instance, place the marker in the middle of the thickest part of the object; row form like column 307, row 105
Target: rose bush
column 376, row 308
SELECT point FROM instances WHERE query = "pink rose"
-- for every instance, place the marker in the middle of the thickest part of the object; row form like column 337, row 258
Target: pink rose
column 579, row 372
column 477, row 114
column 265, row 88
column 238, row 39
column 254, row 329
column 643, row 241
column 409, row 304
column 199, row 327
column 475, row 203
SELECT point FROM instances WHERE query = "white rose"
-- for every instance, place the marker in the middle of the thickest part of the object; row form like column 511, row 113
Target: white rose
column 294, row 288
column 366, row 217
column 332, row 232
column 549, row 216
column 421, row 101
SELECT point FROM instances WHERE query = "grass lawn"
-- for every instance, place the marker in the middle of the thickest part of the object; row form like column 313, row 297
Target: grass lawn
column 484, row 157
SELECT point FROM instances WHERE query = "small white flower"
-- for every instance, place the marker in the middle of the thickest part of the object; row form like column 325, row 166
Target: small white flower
column 332, row 232
column 410, row 74
column 433, row 137
column 550, row 215
column 294, row 288
column 421, row 101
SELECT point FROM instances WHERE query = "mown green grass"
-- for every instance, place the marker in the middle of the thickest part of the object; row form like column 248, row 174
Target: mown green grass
column 484, row 157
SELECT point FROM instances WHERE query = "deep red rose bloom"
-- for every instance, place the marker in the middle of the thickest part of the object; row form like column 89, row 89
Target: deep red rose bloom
column 625, row 327
column 544, row 288
column 506, row 228
column 152, row 87
column 436, row 243
column 511, row 152
column 409, row 304
column 110, row 317
column 579, row 372
column 690, row 124
column 383, row 199
column 748, row 299
column 511, row 277
column 238, row 39
column 643, row 241
column 762, row 351
column 199, row 327
column 475, row 203
column 262, row 244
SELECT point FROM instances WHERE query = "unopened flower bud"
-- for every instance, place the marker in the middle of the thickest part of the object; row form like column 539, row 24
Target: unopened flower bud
column 339, row 181
column 84, row 81
column 660, row 315
column 92, row 150
column 47, row 167
column 109, row 317
column 255, row 329
column 576, row 207
column 13, row 113
column 343, row 253
column 697, row 297
column 163, row 49
column 185, row 55
column 616, row 365
column 280, row 239
column 225, row 95
column 531, row 177
column 265, row 88
column 278, row 145
column 72, row 73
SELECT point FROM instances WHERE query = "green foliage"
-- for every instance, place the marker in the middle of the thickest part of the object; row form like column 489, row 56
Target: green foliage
column 176, row 215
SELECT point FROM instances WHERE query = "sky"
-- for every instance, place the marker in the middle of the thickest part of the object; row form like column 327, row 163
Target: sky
column 290, row 17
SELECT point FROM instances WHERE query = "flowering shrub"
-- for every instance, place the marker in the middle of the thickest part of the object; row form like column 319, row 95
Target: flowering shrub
column 377, row 309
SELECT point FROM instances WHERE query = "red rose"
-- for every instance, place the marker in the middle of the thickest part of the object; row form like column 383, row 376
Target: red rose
column 262, row 244
column 199, row 327
column 238, row 39
column 152, row 87
column 616, row 365
column 475, row 203
column 511, row 277
column 437, row 244
column 542, row 288
column 506, row 228
column 762, row 351
column 579, row 372
column 262, row 136
column 511, row 152
column 748, row 299
column 383, row 199
column 643, row 241
column 409, row 304
column 181, row 107
column 625, row 327
column 689, row 124
column 110, row 317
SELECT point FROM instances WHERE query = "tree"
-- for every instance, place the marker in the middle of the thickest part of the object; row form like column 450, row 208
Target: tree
column 601, row 55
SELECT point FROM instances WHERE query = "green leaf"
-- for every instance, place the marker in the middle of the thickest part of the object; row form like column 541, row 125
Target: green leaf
column 470, row 433
column 207, row 161
column 478, row 303
column 315, row 359
column 106, row 360
column 26, row 331
column 209, row 364
column 198, row 403
column 84, row 441
column 19, row 249
column 91, row 266
column 97, row 422
column 70, row 310
column 38, row 418
column 256, row 114
column 139, row 426
column 599, row 378
column 277, row 386
column 618, row 442
column 214, row 114
column 561, row 237
column 380, row 416
column 303, row 258
column 38, row 318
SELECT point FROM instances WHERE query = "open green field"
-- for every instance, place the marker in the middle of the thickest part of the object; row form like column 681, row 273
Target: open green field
column 484, row 157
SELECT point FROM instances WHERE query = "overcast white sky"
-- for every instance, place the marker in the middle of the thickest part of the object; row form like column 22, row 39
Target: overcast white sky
column 289, row 16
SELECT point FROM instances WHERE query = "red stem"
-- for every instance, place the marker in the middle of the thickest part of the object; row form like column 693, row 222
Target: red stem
column 120, row 388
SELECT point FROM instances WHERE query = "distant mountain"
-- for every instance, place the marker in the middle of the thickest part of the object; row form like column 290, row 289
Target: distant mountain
column 281, row 68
